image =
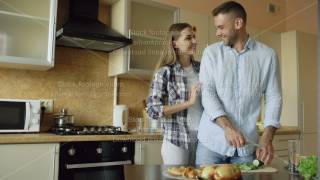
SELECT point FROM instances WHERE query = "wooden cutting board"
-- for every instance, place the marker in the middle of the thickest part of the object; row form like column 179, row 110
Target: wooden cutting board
column 262, row 170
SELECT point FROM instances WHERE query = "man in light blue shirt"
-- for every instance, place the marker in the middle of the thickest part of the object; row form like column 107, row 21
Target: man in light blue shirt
column 235, row 74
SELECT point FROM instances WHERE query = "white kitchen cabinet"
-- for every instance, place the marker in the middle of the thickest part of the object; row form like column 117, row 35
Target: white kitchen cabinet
column 29, row 161
column 309, row 143
column 299, row 77
column 148, row 152
column 146, row 22
column 27, row 34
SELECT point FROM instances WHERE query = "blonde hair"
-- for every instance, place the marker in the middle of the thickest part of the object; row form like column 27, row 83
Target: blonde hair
column 169, row 54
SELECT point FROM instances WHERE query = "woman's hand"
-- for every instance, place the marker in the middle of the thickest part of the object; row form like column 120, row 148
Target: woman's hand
column 195, row 89
column 193, row 93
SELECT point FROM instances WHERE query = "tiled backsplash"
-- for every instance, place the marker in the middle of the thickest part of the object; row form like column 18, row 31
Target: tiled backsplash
column 79, row 82
column 132, row 93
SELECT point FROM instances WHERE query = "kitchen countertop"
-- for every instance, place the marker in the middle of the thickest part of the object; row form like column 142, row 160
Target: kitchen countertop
column 52, row 138
column 285, row 130
column 155, row 172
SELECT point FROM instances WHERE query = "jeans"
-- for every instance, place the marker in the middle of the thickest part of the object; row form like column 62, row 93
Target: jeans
column 206, row 156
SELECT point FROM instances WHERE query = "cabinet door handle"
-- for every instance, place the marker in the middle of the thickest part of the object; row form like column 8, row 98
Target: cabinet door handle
column 141, row 153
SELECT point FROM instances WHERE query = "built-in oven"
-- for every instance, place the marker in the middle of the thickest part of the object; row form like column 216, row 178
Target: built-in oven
column 95, row 160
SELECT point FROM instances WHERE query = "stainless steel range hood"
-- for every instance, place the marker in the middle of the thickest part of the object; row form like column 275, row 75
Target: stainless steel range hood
column 84, row 30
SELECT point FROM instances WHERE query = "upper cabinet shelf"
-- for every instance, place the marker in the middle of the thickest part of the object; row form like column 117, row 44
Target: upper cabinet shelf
column 146, row 22
column 27, row 34
column 23, row 16
column 143, row 36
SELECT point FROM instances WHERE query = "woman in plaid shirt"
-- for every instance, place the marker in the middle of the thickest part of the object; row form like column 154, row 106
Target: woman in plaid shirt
column 174, row 96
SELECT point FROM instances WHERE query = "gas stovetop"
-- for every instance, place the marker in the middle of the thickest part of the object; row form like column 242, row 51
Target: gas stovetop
column 88, row 130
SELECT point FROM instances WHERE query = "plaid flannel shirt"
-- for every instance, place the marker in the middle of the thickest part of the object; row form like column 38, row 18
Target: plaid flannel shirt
column 169, row 87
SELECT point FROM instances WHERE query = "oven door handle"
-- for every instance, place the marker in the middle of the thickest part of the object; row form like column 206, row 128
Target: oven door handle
column 99, row 164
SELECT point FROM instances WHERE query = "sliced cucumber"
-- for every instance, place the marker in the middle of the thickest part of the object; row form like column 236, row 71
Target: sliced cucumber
column 257, row 163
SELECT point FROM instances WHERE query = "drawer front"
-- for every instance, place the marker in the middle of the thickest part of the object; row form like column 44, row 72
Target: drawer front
column 283, row 154
column 280, row 142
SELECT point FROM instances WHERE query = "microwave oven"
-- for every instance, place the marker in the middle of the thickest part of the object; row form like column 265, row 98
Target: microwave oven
column 19, row 115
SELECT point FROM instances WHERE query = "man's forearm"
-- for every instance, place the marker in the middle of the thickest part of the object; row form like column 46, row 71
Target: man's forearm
column 268, row 133
column 224, row 122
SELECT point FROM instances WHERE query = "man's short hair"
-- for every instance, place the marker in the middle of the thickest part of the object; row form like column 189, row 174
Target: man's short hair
column 231, row 7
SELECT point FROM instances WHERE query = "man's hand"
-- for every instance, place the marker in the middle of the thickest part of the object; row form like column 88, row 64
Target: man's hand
column 233, row 136
column 265, row 152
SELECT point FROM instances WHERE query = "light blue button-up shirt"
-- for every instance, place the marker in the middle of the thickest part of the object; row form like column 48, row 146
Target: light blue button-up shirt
column 233, row 84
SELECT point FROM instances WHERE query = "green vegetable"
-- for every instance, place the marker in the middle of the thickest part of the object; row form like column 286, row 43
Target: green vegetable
column 256, row 164
column 246, row 166
column 308, row 167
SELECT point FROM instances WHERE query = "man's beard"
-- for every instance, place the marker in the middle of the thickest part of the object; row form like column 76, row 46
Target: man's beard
column 228, row 43
column 231, row 40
